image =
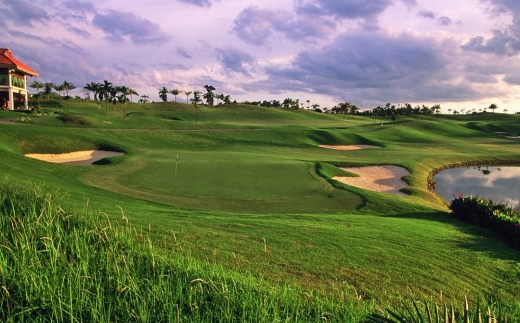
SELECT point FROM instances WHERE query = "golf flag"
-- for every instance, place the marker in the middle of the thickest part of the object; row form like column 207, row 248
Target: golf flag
column 176, row 160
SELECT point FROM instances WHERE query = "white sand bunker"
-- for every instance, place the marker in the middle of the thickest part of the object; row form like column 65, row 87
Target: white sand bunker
column 350, row 147
column 385, row 179
column 85, row 157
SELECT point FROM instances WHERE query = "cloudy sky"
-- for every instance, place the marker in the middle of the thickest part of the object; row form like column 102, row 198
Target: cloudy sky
column 462, row 54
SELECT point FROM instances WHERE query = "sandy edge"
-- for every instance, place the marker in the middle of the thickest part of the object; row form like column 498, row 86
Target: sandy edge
column 386, row 178
column 85, row 157
column 349, row 147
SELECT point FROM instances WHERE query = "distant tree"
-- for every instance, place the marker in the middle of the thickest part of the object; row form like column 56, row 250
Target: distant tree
column 227, row 99
column 37, row 85
column 47, row 89
column 436, row 108
column 353, row 109
column 114, row 90
column 289, row 103
column 175, row 92
column 209, row 95
column 105, row 90
column 308, row 102
column 60, row 88
column 187, row 95
column 163, row 94
column 219, row 97
column 196, row 98
column 67, row 86
column 131, row 92
column 94, row 88
column 122, row 97
column 426, row 110
column 195, row 101
column 493, row 106
column 144, row 98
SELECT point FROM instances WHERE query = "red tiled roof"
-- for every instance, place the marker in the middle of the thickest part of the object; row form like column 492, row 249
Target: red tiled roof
column 7, row 60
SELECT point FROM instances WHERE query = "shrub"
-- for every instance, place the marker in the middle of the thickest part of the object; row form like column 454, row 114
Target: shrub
column 74, row 119
column 489, row 214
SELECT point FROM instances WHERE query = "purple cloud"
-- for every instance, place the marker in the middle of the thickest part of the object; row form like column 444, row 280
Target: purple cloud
column 181, row 51
column 427, row 14
column 24, row 12
column 349, row 9
column 234, row 60
column 255, row 26
column 502, row 43
column 370, row 65
column 445, row 21
column 117, row 25
column 199, row 3
column 505, row 41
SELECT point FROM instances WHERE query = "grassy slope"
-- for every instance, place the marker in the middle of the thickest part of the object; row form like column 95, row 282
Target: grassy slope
column 239, row 190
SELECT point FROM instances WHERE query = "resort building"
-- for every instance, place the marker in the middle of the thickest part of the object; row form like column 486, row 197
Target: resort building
column 13, row 81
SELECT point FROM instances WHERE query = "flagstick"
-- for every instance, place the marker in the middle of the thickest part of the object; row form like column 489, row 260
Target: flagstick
column 176, row 160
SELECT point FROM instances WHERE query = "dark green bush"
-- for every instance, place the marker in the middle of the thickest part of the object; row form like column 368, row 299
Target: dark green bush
column 74, row 119
column 489, row 214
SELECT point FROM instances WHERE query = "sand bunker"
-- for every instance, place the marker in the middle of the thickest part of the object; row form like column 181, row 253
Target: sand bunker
column 86, row 157
column 349, row 147
column 385, row 179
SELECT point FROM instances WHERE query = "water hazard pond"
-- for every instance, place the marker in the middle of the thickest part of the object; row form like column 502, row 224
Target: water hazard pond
column 500, row 183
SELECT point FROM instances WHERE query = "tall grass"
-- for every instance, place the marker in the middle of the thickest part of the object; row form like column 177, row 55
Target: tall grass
column 81, row 266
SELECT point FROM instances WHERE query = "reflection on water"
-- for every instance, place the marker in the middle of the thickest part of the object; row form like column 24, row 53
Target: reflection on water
column 500, row 183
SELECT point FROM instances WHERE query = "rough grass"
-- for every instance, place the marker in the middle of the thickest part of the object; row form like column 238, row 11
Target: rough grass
column 62, row 266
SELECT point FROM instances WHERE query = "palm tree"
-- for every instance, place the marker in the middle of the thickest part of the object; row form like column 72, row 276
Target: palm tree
column 175, row 92
column 209, row 95
column 47, row 89
column 227, row 99
column 59, row 88
column 132, row 92
column 144, row 98
column 219, row 97
column 37, row 85
column 94, row 88
column 104, row 94
column 114, row 90
column 196, row 99
column 121, row 98
column 187, row 95
column 493, row 107
column 67, row 86
column 163, row 94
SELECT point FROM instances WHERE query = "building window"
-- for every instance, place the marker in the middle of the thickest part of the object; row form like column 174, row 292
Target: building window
column 3, row 80
column 17, row 81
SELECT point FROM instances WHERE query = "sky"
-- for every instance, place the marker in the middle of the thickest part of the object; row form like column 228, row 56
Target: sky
column 462, row 54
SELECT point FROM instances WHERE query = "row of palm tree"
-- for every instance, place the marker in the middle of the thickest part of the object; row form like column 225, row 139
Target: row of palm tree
column 49, row 86
column 110, row 93
column 98, row 88
column 209, row 96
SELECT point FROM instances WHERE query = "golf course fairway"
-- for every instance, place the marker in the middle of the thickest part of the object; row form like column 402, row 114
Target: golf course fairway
column 244, row 203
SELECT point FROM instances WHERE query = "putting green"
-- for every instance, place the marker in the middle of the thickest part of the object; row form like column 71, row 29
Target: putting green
column 227, row 180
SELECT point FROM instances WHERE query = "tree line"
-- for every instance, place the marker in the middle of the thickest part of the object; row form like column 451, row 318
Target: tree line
column 209, row 96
